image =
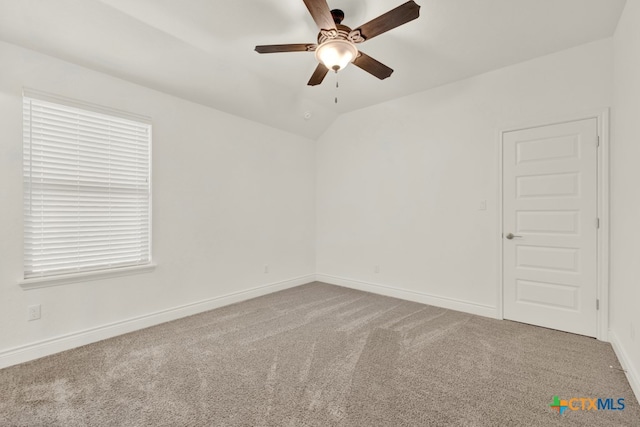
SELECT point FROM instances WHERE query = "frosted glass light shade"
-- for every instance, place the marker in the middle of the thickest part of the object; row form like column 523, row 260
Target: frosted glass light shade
column 336, row 54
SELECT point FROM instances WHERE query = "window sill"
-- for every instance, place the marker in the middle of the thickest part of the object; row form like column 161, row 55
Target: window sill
column 64, row 279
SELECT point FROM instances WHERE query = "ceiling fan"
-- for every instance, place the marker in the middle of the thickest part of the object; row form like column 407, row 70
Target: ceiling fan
column 336, row 46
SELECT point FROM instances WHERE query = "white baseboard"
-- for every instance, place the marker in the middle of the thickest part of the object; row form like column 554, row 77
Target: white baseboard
column 50, row 346
column 625, row 362
column 450, row 303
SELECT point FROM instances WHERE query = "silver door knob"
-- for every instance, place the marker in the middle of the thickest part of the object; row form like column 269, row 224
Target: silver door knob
column 512, row 236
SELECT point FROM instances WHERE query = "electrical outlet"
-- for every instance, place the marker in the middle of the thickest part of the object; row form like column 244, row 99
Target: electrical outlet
column 376, row 269
column 33, row 312
column 483, row 205
column 266, row 268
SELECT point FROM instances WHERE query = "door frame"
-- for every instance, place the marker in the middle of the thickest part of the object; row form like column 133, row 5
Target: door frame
column 602, row 266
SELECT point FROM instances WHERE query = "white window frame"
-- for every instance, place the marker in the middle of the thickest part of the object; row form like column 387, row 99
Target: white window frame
column 35, row 275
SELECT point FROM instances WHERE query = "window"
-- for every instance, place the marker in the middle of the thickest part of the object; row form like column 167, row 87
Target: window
column 86, row 188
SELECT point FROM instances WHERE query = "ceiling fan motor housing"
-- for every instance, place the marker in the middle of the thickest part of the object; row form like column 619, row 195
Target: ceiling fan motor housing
column 342, row 32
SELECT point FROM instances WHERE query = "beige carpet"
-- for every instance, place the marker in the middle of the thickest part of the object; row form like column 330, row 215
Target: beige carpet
column 321, row 355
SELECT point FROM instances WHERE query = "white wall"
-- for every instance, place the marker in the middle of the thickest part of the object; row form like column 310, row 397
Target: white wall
column 625, row 194
column 229, row 196
column 399, row 184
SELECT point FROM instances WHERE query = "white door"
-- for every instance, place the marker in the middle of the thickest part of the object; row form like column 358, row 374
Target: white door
column 550, row 226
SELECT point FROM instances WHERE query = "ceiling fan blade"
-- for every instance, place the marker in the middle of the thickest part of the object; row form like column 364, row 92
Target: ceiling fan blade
column 277, row 48
column 321, row 14
column 371, row 66
column 390, row 20
column 318, row 75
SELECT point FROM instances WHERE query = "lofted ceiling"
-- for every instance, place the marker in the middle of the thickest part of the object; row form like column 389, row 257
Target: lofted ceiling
column 202, row 50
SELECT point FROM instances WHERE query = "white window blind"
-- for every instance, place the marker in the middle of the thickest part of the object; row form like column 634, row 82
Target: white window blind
column 86, row 190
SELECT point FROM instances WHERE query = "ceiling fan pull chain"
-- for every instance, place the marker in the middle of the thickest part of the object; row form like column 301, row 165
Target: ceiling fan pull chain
column 337, row 86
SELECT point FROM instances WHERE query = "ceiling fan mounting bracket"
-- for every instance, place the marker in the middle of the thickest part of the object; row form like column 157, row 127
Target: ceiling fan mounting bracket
column 337, row 15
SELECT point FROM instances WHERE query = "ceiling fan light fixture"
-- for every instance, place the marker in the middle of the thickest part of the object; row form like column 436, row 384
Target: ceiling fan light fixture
column 336, row 43
column 336, row 54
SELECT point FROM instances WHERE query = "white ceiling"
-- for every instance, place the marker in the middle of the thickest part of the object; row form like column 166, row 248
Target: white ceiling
column 202, row 50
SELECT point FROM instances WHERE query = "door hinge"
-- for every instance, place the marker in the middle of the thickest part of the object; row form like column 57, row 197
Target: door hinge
column 598, row 141
column 597, row 222
column 597, row 304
